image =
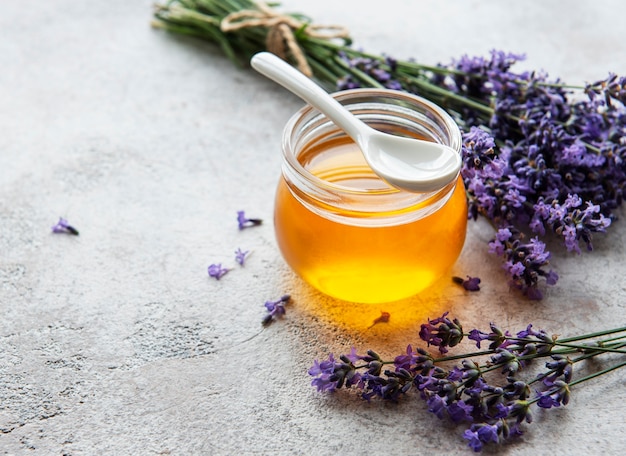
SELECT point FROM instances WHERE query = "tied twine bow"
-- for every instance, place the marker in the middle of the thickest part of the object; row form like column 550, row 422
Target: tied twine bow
column 280, row 36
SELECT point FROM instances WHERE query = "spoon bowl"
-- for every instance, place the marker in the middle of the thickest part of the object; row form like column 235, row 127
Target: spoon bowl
column 406, row 163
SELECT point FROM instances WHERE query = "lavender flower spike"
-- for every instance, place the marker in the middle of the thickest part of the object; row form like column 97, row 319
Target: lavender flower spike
column 63, row 227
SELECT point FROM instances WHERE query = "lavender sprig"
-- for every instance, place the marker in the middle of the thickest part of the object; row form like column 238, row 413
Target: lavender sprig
column 489, row 390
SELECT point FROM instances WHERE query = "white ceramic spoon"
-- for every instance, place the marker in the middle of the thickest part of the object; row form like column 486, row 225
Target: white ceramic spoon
column 406, row 163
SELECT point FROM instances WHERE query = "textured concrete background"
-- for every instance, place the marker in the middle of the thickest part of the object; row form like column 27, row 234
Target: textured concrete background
column 117, row 342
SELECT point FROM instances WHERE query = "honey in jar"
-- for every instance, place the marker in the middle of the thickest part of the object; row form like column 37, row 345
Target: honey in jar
column 346, row 231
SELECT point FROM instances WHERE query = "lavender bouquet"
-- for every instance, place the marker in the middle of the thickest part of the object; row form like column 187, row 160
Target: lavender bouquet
column 540, row 157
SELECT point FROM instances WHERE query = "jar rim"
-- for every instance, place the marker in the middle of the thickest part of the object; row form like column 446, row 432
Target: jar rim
column 393, row 105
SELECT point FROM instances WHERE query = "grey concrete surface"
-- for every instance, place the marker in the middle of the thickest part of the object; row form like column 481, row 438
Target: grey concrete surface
column 117, row 342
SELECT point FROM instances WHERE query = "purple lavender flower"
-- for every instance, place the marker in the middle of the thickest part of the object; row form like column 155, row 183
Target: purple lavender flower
column 374, row 363
column 332, row 374
column 508, row 360
column 501, row 411
column 62, row 226
column 412, row 360
column 529, row 332
column 459, row 411
column 524, row 262
column 498, row 338
column 245, row 222
column 276, row 309
column 347, row 83
column 477, row 336
column 392, row 385
column 498, row 245
column 475, row 383
column 472, row 376
column 392, row 63
column 442, row 332
column 437, row 405
column 353, row 356
column 455, row 374
column 474, row 440
column 240, row 256
column 478, row 150
column 611, row 88
column 542, row 342
column 516, row 389
column 559, row 367
column 572, row 221
column 488, row 433
column 379, row 72
column 557, row 395
column 546, row 401
column 520, row 410
column 323, row 371
column 479, row 434
column 430, row 379
column 217, row 271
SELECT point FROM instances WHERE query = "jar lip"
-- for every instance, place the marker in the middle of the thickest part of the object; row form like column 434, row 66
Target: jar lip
column 384, row 109
column 354, row 97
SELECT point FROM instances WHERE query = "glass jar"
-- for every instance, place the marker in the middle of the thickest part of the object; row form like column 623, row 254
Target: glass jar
column 346, row 231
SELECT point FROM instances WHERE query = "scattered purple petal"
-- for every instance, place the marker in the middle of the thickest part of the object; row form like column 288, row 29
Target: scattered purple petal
column 217, row 271
column 276, row 309
column 245, row 222
column 240, row 256
column 62, row 226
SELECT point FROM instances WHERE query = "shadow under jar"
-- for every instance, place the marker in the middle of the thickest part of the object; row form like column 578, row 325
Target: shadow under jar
column 346, row 231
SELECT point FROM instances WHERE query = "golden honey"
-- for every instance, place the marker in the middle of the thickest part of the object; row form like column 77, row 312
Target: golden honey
column 347, row 232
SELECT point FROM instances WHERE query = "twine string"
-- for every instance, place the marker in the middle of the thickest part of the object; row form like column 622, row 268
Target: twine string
column 280, row 38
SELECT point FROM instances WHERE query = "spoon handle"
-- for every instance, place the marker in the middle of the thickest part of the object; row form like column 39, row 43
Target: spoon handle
column 293, row 80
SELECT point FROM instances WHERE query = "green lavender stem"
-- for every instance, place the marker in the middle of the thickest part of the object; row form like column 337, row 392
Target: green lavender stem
column 597, row 374
column 594, row 335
